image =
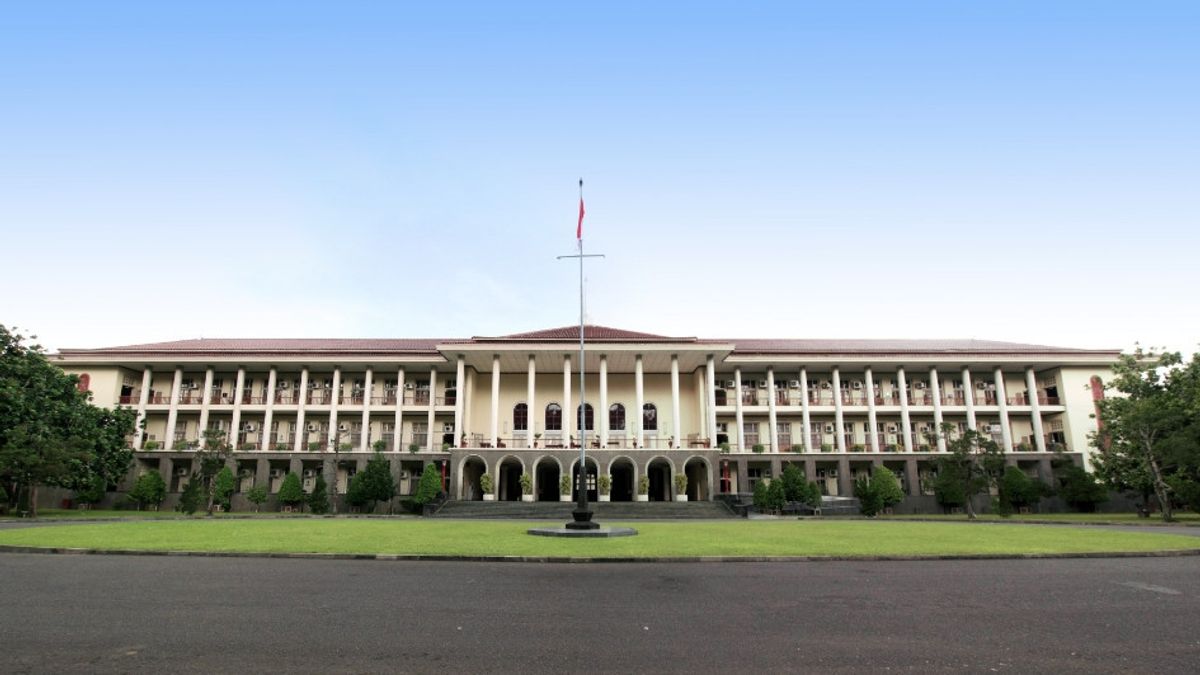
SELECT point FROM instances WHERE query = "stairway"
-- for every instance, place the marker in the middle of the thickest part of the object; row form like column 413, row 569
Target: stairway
column 603, row 511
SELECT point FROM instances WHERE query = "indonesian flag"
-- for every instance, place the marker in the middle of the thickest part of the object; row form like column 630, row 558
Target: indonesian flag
column 579, row 227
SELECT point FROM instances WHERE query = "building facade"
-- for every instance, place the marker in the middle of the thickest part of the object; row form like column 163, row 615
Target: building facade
column 727, row 413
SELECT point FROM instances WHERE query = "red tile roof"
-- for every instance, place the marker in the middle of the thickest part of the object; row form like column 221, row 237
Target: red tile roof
column 590, row 332
column 938, row 346
column 275, row 346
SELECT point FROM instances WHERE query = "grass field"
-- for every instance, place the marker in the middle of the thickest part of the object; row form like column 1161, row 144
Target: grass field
column 1181, row 518
column 474, row 538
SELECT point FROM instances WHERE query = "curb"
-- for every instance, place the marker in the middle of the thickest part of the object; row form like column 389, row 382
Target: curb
column 1173, row 553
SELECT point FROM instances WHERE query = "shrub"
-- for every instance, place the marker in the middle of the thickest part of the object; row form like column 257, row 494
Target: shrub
column 760, row 498
column 826, row 447
column 318, row 499
column 485, row 484
column 775, row 498
column 92, row 491
column 564, row 484
column 315, row 446
column 948, row 486
column 604, row 483
column 257, row 496
column 797, row 448
column 526, row 484
column 813, row 495
column 794, row 487
column 1080, row 489
column 759, row 448
column 681, row 483
column 643, row 485
column 291, row 492
column 429, row 487
column 870, row 502
column 888, row 486
column 1018, row 490
column 224, row 487
column 151, row 445
column 724, row 447
column 358, row 494
column 191, row 497
column 149, row 490
column 1187, row 490
column 379, row 445
column 414, row 448
column 345, row 447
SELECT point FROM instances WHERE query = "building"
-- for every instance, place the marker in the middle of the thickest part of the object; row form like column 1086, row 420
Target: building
column 726, row 412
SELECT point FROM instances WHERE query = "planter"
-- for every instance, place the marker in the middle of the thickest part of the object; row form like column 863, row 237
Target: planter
column 565, row 498
column 526, row 498
column 489, row 497
column 605, row 498
column 643, row 498
column 681, row 498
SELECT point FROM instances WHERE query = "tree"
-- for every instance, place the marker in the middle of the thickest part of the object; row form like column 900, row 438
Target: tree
column 430, row 485
column 795, row 486
column 775, row 497
column 223, row 487
column 50, row 434
column 1080, row 489
column 91, row 492
column 291, row 492
column 357, row 493
column 192, row 496
column 376, row 484
column 948, row 486
column 149, row 490
column 760, row 498
column 1019, row 491
column 257, row 496
column 870, row 502
column 975, row 460
column 888, row 487
column 318, row 499
column 1147, row 433
column 212, row 457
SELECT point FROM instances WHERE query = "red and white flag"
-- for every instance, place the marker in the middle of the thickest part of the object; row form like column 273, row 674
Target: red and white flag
column 579, row 227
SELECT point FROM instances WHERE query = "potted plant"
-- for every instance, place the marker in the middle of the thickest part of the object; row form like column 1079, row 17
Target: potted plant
column 604, row 486
column 414, row 448
column 759, row 448
column 826, row 447
column 379, row 445
column 526, row 487
column 536, row 438
column 150, row 445
column 564, row 488
column 445, row 447
column 681, row 483
column 314, row 447
column 724, row 448
column 643, row 494
column 797, row 448
column 857, row 447
column 485, row 486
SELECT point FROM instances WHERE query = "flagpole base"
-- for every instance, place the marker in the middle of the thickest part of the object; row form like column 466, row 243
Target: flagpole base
column 582, row 520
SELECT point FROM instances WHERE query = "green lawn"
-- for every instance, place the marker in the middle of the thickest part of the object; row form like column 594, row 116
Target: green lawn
column 90, row 514
column 733, row 538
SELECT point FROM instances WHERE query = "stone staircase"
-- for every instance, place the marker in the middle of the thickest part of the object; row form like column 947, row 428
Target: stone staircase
column 603, row 511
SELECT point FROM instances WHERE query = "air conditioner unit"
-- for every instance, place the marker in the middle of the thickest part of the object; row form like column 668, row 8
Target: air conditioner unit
column 343, row 427
column 285, row 384
column 762, row 384
column 408, row 385
column 829, row 429
column 313, row 427
column 730, row 384
column 831, row 473
column 825, row 385
column 793, row 384
column 181, row 471
column 310, row 473
column 249, row 427
column 857, row 384
column 919, row 385
column 276, row 473
column 448, row 428
column 980, row 385
column 404, row 475
column 187, row 384
column 891, row 428
column 328, row 384
column 995, row 428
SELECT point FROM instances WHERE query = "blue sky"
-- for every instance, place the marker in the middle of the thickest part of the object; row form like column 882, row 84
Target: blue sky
column 1022, row 171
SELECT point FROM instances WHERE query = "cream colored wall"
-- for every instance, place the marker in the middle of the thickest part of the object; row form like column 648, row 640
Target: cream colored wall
column 104, row 383
column 1076, row 395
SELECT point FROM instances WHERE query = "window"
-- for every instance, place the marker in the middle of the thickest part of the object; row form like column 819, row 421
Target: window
column 616, row 417
column 649, row 417
column 85, row 382
column 588, row 417
column 520, row 417
column 554, row 417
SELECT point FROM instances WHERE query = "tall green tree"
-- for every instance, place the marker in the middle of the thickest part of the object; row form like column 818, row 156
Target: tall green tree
column 291, row 491
column 212, row 457
column 50, row 434
column 149, row 490
column 430, row 485
column 318, row 499
column 1147, row 431
column 975, row 460
column 224, row 486
column 376, row 482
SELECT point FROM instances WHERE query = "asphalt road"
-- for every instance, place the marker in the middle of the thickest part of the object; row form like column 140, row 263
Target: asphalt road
column 146, row 613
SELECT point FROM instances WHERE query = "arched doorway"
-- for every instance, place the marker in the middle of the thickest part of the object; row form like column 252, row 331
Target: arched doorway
column 508, row 480
column 546, row 477
column 592, row 495
column 469, row 489
column 624, row 479
column 659, row 473
column 697, row 472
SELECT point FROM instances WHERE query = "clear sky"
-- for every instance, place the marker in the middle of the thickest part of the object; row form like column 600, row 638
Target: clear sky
column 1025, row 171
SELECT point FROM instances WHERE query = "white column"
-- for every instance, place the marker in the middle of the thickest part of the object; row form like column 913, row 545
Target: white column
column 675, row 400
column 495, row 430
column 602, row 413
column 269, row 415
column 398, row 425
column 1002, row 403
column 368, row 385
column 1035, row 414
column 771, row 416
column 804, row 412
column 173, row 410
column 935, row 390
column 872, row 417
column 701, row 407
column 969, row 397
column 301, row 436
column 143, row 399
column 469, row 406
column 737, row 410
column 905, row 419
column 837, row 410
column 336, row 396
column 236, row 423
column 531, row 401
column 639, row 400
column 710, row 368
column 432, row 438
column 460, row 397
column 568, row 413
column 204, row 402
